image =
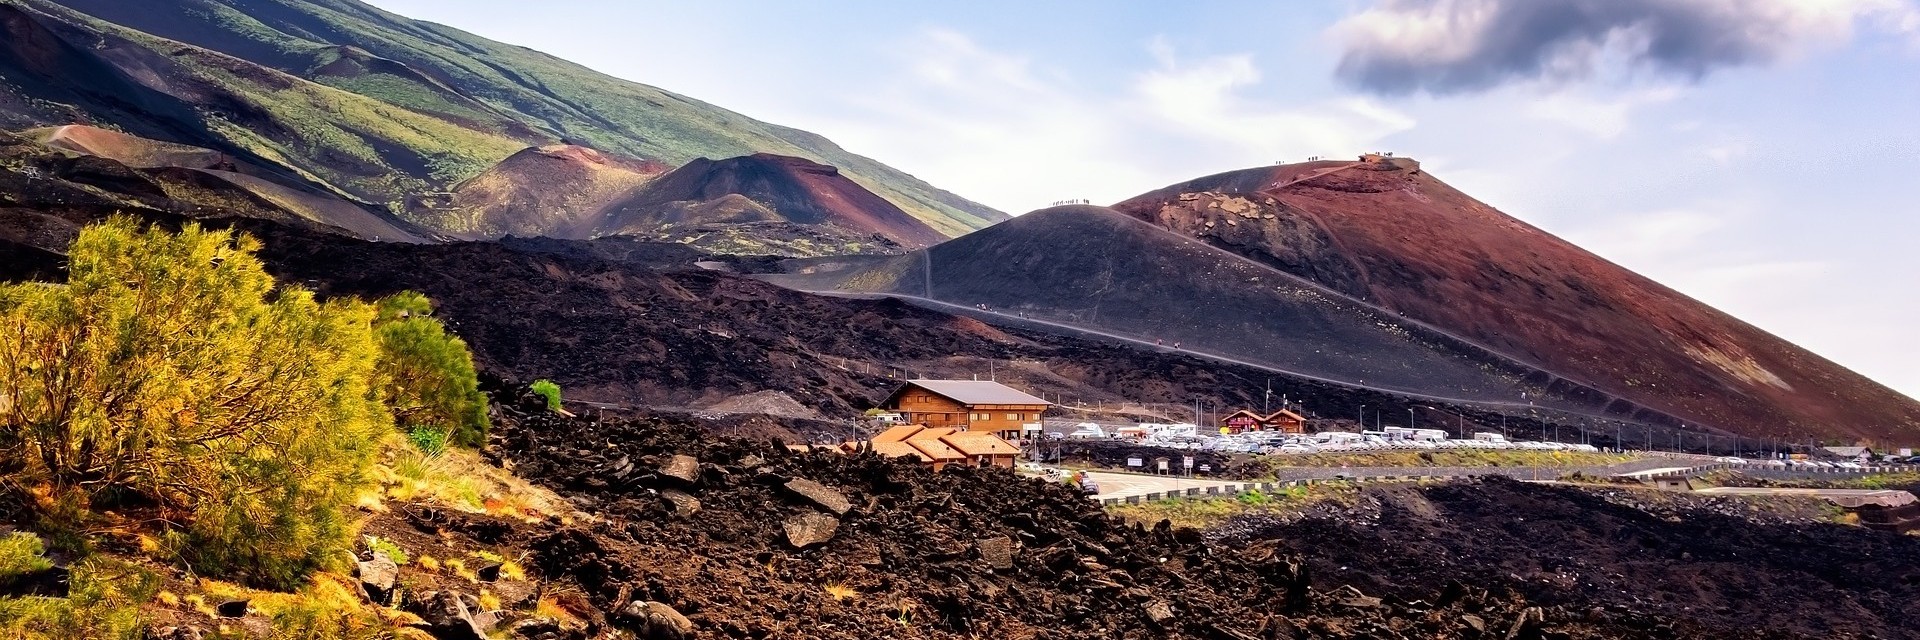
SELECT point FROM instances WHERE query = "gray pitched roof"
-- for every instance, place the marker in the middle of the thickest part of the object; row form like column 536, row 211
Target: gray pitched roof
column 1848, row 451
column 977, row 392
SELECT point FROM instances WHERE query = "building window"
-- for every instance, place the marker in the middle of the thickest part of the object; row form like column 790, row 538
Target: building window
column 1013, row 417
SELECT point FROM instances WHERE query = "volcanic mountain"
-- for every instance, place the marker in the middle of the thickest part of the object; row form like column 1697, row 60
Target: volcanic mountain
column 1384, row 232
column 1376, row 274
column 375, row 105
column 785, row 188
column 557, row 191
column 1096, row 268
column 761, row 204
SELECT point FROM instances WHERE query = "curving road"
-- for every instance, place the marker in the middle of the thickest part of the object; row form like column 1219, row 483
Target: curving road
column 966, row 310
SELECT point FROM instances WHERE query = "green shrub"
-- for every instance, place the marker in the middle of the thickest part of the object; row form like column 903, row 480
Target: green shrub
column 429, row 440
column 21, row 553
column 547, row 389
column 426, row 374
column 169, row 368
column 383, row 545
column 103, row 602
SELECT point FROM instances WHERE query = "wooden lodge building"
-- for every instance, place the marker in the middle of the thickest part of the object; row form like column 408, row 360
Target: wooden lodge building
column 968, row 405
column 1244, row 420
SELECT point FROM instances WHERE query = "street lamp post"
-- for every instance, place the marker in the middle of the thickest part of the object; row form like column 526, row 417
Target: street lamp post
column 1362, row 422
column 1409, row 417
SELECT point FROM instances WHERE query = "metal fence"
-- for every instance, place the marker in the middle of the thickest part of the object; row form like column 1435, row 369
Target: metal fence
column 1301, row 476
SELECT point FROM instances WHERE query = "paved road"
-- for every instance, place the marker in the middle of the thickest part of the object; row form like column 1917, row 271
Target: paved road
column 1121, row 485
column 1210, row 356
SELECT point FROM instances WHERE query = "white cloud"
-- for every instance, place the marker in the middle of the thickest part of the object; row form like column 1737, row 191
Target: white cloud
column 1202, row 99
column 1603, row 118
column 1017, row 135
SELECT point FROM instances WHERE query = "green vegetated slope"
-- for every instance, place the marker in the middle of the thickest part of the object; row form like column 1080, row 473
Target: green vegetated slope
column 496, row 89
column 364, row 147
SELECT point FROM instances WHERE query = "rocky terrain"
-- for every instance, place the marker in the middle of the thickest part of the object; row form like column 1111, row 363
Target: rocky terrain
column 748, row 539
column 1779, row 567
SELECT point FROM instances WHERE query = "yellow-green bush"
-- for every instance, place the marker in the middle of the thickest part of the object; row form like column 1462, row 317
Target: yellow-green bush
column 103, row 601
column 169, row 368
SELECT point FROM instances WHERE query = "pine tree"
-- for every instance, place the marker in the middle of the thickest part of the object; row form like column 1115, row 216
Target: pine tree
column 168, row 367
column 427, row 374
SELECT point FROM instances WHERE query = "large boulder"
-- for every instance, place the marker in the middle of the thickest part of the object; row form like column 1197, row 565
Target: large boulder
column 684, row 468
column 824, row 496
column 651, row 620
column 378, row 574
column 446, row 615
column 808, row 529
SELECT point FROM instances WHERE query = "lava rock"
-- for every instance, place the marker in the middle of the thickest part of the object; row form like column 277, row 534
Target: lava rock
column 446, row 616
column 684, row 468
column 683, row 503
column 1529, row 620
column 377, row 575
column 809, row 529
column 651, row 620
column 824, row 496
column 232, row 609
column 1159, row 612
column 996, row 551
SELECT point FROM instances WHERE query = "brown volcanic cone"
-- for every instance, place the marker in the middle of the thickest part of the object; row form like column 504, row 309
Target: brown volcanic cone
column 1387, row 233
column 556, row 191
column 1095, row 268
column 795, row 189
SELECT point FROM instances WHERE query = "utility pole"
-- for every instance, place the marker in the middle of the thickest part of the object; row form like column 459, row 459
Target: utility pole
column 1363, row 417
column 1266, row 404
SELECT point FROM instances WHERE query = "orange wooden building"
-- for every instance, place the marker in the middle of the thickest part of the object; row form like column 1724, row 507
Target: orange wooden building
column 939, row 447
column 1287, row 422
column 968, row 405
column 1246, row 420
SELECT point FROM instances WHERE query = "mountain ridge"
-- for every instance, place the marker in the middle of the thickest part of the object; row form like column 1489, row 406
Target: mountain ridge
column 557, row 101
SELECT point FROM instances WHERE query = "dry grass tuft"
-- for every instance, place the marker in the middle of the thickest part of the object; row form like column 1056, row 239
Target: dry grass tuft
column 841, row 592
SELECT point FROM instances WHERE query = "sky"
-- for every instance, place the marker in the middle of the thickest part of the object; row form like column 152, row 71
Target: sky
column 1759, row 155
